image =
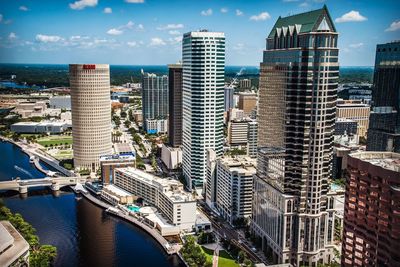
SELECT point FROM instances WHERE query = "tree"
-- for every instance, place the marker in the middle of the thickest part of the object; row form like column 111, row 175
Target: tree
column 193, row 254
column 123, row 114
column 247, row 263
column 241, row 256
column 127, row 123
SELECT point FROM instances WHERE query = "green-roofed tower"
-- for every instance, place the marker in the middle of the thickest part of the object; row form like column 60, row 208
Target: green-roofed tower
column 294, row 209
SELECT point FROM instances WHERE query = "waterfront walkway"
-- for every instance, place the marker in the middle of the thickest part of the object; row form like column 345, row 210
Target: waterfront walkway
column 170, row 249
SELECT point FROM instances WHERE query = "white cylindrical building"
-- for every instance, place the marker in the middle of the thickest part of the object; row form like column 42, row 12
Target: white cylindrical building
column 91, row 113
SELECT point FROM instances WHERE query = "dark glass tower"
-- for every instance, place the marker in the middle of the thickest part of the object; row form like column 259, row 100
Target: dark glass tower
column 296, row 118
column 175, row 105
column 384, row 123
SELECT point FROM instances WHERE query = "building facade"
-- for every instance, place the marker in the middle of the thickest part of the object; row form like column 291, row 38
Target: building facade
column 237, row 132
column 357, row 111
column 384, row 134
column 108, row 163
column 252, row 139
column 296, row 119
column 175, row 105
column 91, row 113
column 228, row 98
column 371, row 235
column 247, row 102
column 154, row 100
column 345, row 126
column 203, row 101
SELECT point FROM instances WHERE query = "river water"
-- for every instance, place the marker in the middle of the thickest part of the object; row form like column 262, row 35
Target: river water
column 82, row 232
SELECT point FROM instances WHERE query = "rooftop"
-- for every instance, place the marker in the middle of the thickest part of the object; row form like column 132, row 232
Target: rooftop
column 42, row 123
column 242, row 165
column 117, row 191
column 385, row 160
column 117, row 157
column 12, row 244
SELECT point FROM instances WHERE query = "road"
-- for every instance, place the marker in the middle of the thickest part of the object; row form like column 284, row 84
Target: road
column 224, row 230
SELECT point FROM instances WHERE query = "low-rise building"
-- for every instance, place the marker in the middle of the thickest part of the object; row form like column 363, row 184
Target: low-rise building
column 61, row 102
column 354, row 110
column 237, row 132
column 166, row 194
column 30, row 109
column 116, row 195
column 171, row 156
column 53, row 127
column 14, row 250
column 156, row 126
column 108, row 163
column 234, row 187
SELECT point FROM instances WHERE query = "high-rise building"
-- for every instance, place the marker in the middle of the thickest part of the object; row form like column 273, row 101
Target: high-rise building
column 237, row 132
column 296, row 118
column 354, row 110
column 247, row 102
column 228, row 98
column 384, row 128
column 203, row 101
column 91, row 113
column 154, row 100
column 175, row 105
column 371, row 235
column 252, row 136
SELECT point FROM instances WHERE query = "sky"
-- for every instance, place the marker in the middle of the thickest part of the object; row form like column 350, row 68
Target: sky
column 149, row 32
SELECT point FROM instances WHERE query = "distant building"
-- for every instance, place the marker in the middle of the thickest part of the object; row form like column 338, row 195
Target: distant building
column 361, row 92
column 171, row 156
column 245, row 84
column 237, row 132
column 384, row 134
column 252, row 139
column 354, row 110
column 372, row 212
column 228, row 98
column 28, row 109
column 52, row 127
column 175, row 105
column 247, row 102
column 60, row 101
column 14, row 249
column 91, row 113
column 154, row 102
column 203, row 102
column 166, row 194
column 234, row 188
column 236, row 114
column 108, row 163
column 347, row 126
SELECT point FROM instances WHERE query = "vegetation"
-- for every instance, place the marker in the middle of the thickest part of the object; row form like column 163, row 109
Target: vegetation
column 153, row 162
column 40, row 255
column 236, row 152
column 139, row 163
column 127, row 123
column 117, row 120
column 205, row 238
column 84, row 172
column 224, row 259
column 55, row 140
column 193, row 254
column 236, row 252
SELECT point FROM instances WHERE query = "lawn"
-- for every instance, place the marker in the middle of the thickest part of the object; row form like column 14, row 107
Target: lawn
column 55, row 140
column 63, row 154
column 224, row 260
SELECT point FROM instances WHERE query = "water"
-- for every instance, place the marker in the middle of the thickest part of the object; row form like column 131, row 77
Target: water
column 82, row 232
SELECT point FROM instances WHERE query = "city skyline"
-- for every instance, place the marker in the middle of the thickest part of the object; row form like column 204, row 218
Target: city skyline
column 122, row 32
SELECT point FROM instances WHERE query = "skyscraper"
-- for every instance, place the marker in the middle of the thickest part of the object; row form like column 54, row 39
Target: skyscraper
column 384, row 127
column 228, row 98
column 154, row 101
column 297, row 96
column 91, row 113
column 203, row 101
column 175, row 105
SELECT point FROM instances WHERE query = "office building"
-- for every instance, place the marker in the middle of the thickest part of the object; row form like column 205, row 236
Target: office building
column 252, row 138
column 245, row 84
column 211, row 181
column 166, row 194
column 14, row 250
column 236, row 114
column 354, row 110
column 228, row 98
column 108, row 163
column 234, row 188
column 156, row 126
column 247, row 102
column 175, row 105
column 154, row 102
column 237, row 132
column 296, row 119
column 356, row 91
column 203, row 101
column 345, row 126
column 384, row 133
column 171, row 156
column 91, row 113
column 60, row 101
column 52, row 127
column 372, row 211
column 28, row 109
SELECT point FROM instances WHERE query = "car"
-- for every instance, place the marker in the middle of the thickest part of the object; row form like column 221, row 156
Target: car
column 254, row 249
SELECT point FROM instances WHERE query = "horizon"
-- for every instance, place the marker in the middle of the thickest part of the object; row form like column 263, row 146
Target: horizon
column 149, row 32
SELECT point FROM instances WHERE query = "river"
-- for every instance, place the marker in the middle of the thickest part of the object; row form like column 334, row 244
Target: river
column 82, row 232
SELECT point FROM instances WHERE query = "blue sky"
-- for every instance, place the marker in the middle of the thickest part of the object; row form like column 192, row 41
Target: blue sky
column 137, row 32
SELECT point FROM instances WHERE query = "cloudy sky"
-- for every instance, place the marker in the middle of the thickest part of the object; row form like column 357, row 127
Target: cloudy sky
column 137, row 32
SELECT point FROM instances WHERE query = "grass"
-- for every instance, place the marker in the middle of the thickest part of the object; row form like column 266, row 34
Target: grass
column 224, row 260
column 55, row 140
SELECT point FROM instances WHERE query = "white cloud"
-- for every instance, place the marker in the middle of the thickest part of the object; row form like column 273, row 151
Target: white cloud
column 261, row 16
column 207, row 12
column 170, row 27
column 358, row 45
column 395, row 26
column 81, row 4
column 23, row 8
column 132, row 44
column 238, row 46
column 12, row 36
column 140, row 27
column 157, row 42
column 107, row 10
column 224, row 10
column 351, row 16
column 75, row 38
column 115, row 31
column 174, row 32
column 42, row 38
column 239, row 12
column 304, row 4
column 175, row 40
column 129, row 25
column 134, row 1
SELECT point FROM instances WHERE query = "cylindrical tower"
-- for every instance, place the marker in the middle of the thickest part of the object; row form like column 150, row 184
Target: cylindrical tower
column 91, row 113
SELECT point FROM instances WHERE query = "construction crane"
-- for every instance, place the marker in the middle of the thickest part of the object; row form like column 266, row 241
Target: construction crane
column 234, row 81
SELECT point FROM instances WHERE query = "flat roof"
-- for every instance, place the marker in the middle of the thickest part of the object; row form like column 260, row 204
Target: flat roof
column 386, row 160
column 242, row 165
column 117, row 191
column 116, row 157
column 18, row 247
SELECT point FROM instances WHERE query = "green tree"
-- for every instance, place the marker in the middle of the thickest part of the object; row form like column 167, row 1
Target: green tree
column 127, row 123
column 193, row 254
column 241, row 256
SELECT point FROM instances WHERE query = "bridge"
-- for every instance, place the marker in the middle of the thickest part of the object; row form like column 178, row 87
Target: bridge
column 55, row 183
